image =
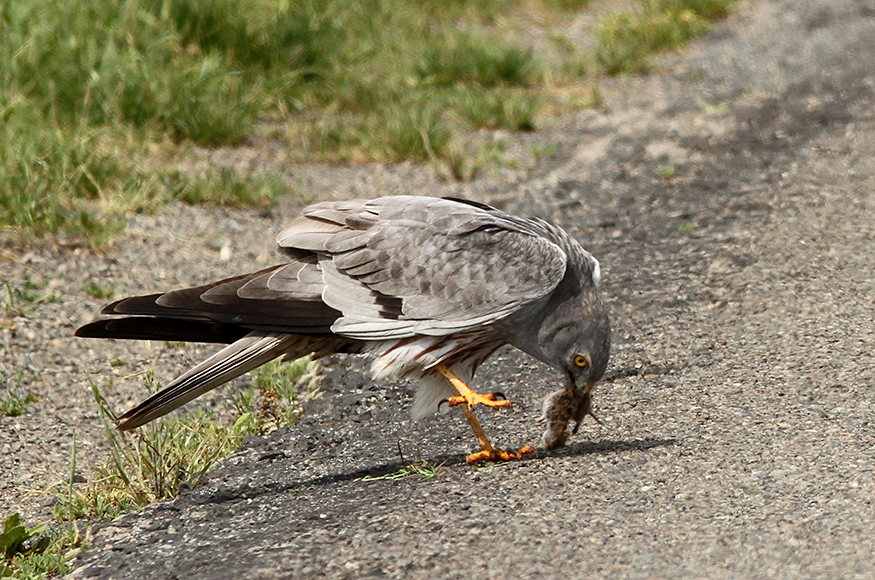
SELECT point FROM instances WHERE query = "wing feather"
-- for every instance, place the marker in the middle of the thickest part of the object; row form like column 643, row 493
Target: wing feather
column 452, row 265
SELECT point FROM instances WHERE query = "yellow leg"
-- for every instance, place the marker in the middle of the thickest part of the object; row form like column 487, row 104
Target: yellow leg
column 467, row 399
column 478, row 430
column 466, row 395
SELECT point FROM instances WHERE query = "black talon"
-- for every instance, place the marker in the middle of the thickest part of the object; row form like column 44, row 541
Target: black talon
column 498, row 396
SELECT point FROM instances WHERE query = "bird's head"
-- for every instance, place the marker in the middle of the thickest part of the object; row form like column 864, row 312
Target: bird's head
column 576, row 339
column 581, row 350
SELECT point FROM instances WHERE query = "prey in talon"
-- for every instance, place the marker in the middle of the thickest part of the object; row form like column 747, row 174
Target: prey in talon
column 428, row 288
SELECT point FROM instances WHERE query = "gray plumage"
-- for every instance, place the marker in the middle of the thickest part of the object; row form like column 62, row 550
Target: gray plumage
column 413, row 282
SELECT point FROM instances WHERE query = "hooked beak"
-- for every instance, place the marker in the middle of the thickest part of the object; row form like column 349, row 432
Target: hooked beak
column 573, row 386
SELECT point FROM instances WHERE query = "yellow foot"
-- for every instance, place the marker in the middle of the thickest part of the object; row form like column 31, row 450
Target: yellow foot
column 499, row 455
column 471, row 398
column 468, row 397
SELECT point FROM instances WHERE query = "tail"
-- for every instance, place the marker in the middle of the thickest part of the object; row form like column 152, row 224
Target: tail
column 247, row 353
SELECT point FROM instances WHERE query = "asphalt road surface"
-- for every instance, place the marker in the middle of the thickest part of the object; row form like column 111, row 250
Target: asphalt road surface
column 737, row 436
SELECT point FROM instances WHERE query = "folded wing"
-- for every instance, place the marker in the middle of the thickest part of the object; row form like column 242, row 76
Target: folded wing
column 400, row 266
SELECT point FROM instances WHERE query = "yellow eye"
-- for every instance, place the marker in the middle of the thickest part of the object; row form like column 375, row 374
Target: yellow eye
column 579, row 361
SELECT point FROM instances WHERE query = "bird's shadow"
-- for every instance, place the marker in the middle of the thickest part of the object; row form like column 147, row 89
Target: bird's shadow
column 378, row 473
column 583, row 448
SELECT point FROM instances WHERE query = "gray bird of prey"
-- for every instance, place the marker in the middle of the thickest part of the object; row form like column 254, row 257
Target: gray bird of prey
column 427, row 287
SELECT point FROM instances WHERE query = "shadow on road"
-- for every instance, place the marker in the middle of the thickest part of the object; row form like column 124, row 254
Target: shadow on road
column 609, row 446
column 451, row 460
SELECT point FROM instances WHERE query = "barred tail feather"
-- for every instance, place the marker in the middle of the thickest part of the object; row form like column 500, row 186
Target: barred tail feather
column 251, row 351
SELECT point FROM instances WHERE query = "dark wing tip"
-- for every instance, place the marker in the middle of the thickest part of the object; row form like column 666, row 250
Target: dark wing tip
column 96, row 329
column 160, row 328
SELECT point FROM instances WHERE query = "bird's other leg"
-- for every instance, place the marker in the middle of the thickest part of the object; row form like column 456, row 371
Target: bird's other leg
column 466, row 395
column 488, row 452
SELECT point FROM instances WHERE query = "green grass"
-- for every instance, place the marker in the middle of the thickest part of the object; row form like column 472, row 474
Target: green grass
column 416, row 133
column 456, row 57
column 513, row 110
column 548, row 150
column 100, row 290
column 163, row 457
column 281, row 388
column 38, row 552
column 226, row 187
column 14, row 404
column 667, row 172
column 23, row 300
column 714, row 108
column 626, row 40
column 422, row 468
column 86, row 86
column 101, row 102
column 149, row 465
